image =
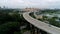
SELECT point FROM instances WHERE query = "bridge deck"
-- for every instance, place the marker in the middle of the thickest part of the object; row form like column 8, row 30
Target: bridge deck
column 41, row 25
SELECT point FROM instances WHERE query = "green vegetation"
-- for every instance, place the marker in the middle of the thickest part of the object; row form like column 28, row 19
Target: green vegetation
column 9, row 28
column 54, row 22
column 50, row 11
column 11, row 21
column 32, row 15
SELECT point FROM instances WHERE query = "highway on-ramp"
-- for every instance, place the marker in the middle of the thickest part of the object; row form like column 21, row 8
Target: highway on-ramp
column 41, row 25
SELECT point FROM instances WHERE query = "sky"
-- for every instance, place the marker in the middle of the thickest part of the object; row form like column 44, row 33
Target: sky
column 30, row 3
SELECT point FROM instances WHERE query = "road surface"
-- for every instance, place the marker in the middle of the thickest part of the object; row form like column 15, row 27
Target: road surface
column 41, row 25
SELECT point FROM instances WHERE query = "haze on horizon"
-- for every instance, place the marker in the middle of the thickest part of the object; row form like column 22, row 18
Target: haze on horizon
column 30, row 3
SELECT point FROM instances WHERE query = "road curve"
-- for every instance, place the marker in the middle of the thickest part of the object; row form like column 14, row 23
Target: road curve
column 41, row 25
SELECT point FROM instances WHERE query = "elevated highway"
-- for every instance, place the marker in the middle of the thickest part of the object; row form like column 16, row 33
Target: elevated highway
column 41, row 25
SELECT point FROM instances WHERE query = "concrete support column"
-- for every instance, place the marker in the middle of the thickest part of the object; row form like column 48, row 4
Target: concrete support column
column 38, row 31
column 32, row 29
column 20, row 29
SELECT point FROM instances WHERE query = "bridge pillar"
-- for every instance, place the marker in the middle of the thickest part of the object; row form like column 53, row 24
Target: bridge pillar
column 38, row 31
column 32, row 28
column 20, row 29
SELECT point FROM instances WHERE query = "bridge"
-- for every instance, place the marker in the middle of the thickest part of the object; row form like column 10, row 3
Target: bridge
column 41, row 25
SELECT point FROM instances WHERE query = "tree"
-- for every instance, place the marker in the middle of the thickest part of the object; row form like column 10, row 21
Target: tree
column 9, row 27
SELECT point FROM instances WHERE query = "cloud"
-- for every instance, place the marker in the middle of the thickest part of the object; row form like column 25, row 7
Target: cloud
column 31, row 3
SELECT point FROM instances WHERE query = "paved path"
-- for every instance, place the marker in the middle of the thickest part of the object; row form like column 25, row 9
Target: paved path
column 41, row 25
